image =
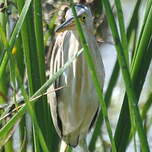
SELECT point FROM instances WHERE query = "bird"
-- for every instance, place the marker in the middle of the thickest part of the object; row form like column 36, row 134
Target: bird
column 75, row 107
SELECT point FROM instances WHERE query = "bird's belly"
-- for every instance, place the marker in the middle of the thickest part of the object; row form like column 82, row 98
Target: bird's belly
column 78, row 101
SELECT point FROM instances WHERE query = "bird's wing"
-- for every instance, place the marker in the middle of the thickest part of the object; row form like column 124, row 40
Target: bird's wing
column 55, row 64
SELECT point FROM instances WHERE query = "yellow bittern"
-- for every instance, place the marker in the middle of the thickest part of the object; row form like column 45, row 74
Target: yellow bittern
column 75, row 107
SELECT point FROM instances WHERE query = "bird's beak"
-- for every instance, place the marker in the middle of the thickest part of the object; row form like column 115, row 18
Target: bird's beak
column 67, row 25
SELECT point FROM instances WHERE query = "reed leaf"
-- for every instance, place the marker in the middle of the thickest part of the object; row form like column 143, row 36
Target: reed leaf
column 108, row 94
column 133, row 108
column 138, row 78
column 14, row 35
column 6, row 128
column 94, row 76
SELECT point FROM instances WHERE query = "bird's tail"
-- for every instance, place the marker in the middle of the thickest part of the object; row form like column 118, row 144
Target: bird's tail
column 82, row 146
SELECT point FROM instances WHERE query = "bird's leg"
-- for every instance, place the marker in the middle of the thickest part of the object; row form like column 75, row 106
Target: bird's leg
column 63, row 147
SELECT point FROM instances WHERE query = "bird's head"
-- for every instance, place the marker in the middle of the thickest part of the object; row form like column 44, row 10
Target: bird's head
column 83, row 13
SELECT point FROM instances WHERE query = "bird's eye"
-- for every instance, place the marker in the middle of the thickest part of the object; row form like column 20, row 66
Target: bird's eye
column 83, row 18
